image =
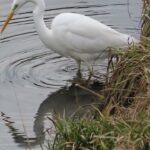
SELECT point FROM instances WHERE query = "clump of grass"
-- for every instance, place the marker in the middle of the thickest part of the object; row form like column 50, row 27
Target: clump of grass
column 130, row 78
column 102, row 134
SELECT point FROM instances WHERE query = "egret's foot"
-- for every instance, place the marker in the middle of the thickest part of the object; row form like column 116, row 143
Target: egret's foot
column 78, row 78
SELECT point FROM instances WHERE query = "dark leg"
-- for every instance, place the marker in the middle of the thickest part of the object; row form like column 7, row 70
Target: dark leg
column 79, row 75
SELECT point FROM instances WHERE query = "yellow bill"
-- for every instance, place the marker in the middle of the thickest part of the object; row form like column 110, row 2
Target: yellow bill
column 7, row 20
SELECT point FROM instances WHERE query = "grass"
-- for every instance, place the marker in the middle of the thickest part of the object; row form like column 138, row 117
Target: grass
column 106, row 133
column 145, row 28
column 123, row 122
column 130, row 78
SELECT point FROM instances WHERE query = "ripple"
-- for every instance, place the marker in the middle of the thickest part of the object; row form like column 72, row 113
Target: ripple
column 42, row 69
column 38, row 68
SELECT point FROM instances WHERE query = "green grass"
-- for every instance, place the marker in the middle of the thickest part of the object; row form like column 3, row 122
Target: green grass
column 105, row 133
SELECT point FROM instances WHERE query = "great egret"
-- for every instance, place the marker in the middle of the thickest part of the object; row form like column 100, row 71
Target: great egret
column 73, row 35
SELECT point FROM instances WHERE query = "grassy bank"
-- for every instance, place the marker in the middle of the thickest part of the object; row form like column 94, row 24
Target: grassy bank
column 123, row 121
column 106, row 133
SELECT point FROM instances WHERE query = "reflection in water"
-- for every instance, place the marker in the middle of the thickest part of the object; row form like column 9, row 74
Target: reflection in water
column 64, row 102
column 20, row 137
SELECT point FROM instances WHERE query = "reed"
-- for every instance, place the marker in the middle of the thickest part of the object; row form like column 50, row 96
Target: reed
column 145, row 27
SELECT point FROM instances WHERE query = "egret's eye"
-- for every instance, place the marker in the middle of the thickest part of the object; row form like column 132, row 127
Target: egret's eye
column 16, row 6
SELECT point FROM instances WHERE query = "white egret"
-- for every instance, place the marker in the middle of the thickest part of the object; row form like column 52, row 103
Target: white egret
column 73, row 35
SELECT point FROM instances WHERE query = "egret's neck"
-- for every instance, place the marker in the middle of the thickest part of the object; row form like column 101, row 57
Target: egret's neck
column 41, row 27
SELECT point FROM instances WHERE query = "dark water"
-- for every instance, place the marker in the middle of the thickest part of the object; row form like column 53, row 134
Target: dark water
column 34, row 81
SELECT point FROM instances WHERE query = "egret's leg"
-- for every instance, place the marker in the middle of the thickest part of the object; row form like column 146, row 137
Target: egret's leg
column 79, row 65
column 79, row 68
column 90, row 69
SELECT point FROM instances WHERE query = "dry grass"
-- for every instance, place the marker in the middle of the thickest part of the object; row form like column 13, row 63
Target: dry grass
column 130, row 79
column 146, row 19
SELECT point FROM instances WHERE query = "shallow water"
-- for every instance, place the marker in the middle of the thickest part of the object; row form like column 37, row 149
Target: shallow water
column 34, row 81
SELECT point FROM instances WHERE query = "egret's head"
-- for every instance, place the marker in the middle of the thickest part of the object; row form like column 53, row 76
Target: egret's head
column 14, row 8
column 16, row 5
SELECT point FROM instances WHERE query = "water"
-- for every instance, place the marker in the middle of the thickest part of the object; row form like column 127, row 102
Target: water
column 34, row 81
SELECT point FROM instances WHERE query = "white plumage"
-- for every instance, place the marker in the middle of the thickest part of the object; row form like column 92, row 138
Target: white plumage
column 83, row 35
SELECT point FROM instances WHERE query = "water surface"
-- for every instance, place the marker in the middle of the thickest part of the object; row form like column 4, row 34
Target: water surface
column 34, row 81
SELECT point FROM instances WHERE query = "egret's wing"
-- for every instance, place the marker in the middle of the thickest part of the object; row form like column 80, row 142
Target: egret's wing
column 83, row 34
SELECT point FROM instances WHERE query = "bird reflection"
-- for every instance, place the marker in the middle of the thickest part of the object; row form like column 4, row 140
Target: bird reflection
column 65, row 102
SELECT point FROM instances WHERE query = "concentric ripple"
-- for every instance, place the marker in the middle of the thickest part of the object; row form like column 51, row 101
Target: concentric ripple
column 43, row 69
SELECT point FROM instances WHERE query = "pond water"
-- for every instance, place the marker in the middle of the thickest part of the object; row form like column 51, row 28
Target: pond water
column 35, row 81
